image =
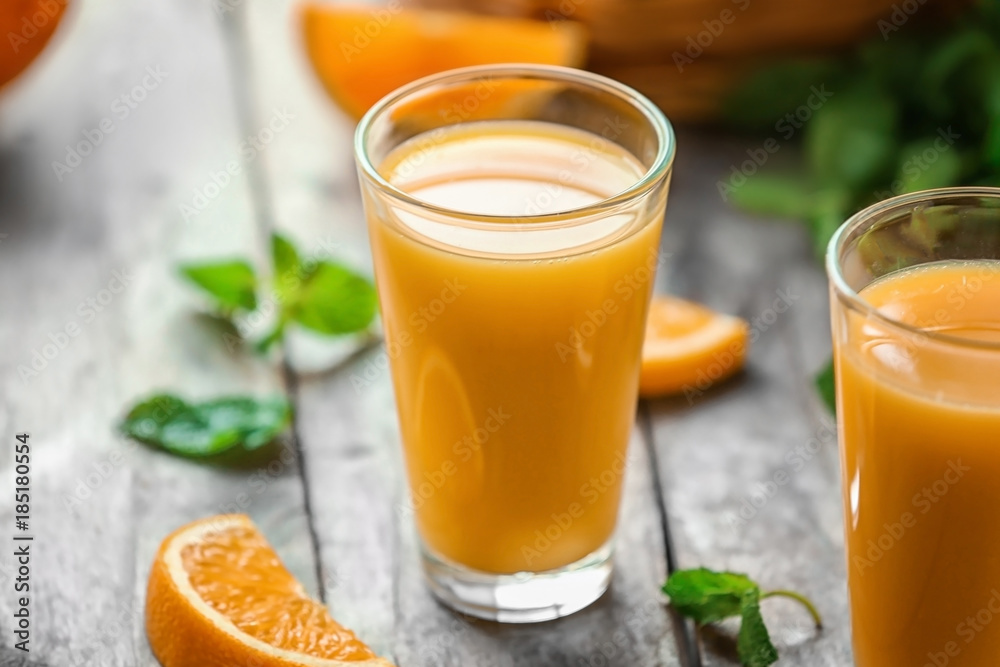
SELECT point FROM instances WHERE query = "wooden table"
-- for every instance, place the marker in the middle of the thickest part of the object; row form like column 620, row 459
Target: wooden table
column 211, row 74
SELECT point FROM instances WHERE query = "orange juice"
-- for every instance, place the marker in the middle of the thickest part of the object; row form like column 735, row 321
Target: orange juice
column 920, row 436
column 515, row 350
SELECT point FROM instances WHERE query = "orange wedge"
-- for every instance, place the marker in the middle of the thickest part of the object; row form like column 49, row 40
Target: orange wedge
column 362, row 53
column 689, row 347
column 26, row 26
column 219, row 597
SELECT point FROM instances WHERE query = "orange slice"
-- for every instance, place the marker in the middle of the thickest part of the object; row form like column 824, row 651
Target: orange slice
column 26, row 26
column 689, row 347
column 361, row 53
column 219, row 596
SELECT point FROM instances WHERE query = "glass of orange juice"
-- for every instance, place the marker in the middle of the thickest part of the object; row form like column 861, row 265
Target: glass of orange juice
column 514, row 214
column 915, row 286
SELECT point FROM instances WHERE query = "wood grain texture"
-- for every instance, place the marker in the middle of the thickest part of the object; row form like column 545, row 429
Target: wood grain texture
column 118, row 211
column 757, row 443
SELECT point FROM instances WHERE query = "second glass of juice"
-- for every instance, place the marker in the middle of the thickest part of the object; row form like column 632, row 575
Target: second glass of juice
column 915, row 285
column 515, row 215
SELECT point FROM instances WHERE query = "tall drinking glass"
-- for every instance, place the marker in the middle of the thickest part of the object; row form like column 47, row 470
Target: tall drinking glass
column 915, row 287
column 514, row 214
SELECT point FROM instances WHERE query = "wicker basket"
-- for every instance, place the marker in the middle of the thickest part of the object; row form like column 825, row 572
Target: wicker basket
column 686, row 54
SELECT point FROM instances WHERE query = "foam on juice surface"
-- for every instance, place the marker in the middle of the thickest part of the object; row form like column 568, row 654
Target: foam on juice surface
column 480, row 169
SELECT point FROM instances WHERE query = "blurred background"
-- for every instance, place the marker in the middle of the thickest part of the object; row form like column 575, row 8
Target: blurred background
column 885, row 96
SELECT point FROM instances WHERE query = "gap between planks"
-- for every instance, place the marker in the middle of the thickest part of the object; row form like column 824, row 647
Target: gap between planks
column 236, row 40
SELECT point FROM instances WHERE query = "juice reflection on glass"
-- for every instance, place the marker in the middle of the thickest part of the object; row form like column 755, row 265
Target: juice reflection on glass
column 916, row 322
column 515, row 253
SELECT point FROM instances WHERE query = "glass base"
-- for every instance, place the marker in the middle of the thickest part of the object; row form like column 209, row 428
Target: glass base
column 525, row 597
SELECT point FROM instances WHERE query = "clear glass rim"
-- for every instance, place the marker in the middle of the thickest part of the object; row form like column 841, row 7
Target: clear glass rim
column 880, row 210
column 570, row 217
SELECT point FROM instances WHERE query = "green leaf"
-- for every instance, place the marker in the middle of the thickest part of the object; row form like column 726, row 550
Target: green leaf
column 851, row 139
column 991, row 142
column 957, row 53
column 208, row 428
column 826, row 386
column 335, row 300
column 754, row 643
column 231, row 283
column 923, row 166
column 830, row 207
column 772, row 93
column 285, row 258
column 780, row 195
column 707, row 596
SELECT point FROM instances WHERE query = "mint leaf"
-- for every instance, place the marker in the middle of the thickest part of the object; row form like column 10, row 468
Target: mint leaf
column 826, row 386
column 851, row 138
column 707, row 596
column 207, row 428
column 285, row 257
column 754, row 643
column 334, row 300
column 916, row 172
column 768, row 96
column 783, row 196
column 830, row 210
column 991, row 139
column 231, row 283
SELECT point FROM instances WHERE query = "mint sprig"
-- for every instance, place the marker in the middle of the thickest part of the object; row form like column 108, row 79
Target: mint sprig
column 320, row 295
column 231, row 284
column 198, row 430
column 708, row 597
column 909, row 110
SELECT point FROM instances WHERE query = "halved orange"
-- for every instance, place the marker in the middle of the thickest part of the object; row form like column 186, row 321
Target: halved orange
column 363, row 53
column 689, row 347
column 219, row 596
